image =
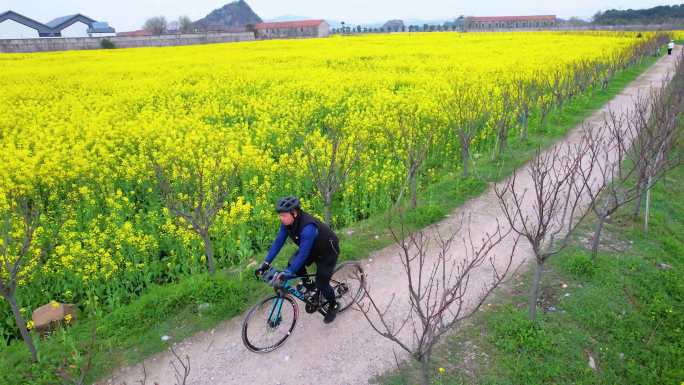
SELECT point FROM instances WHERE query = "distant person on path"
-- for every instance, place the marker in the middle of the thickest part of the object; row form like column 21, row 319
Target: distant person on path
column 670, row 47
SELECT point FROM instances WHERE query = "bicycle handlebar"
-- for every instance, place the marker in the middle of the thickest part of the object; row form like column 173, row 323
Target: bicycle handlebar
column 268, row 275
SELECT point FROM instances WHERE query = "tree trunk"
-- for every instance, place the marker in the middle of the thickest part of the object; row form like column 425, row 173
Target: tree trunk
column 503, row 138
column 327, row 211
column 534, row 293
column 414, row 189
column 639, row 199
column 465, row 155
column 424, row 371
column 208, row 251
column 21, row 324
column 525, row 125
column 597, row 236
column 544, row 115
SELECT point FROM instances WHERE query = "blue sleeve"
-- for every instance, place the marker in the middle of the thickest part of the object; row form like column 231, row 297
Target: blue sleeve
column 309, row 234
column 277, row 244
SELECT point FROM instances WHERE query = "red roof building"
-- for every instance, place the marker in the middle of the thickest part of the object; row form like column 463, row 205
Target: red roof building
column 138, row 33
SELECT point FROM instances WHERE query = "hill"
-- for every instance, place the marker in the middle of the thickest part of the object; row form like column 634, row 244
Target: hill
column 237, row 14
column 656, row 15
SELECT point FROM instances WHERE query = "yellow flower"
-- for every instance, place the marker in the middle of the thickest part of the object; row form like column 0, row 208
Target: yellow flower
column 442, row 370
column 54, row 304
column 67, row 318
column 248, row 122
column 29, row 325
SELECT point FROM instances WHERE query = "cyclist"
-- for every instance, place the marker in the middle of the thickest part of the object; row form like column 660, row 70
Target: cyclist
column 317, row 244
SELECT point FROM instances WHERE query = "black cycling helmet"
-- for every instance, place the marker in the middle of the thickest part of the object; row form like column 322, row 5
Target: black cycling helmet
column 287, row 204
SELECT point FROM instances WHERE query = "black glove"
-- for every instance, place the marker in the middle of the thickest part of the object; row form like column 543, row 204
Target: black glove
column 278, row 280
column 262, row 269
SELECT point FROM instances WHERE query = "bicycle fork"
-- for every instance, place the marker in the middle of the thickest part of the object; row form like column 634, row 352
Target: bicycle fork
column 274, row 317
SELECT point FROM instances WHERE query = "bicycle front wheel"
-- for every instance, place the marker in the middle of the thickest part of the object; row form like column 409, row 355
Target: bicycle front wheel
column 269, row 323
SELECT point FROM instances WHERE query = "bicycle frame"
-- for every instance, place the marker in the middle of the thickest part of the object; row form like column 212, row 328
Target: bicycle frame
column 274, row 315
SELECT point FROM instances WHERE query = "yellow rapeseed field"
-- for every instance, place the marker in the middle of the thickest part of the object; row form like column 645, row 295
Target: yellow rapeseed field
column 84, row 129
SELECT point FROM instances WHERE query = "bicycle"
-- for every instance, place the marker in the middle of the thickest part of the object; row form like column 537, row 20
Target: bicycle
column 275, row 316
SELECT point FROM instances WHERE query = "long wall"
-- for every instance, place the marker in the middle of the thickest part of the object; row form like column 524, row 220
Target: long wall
column 77, row 43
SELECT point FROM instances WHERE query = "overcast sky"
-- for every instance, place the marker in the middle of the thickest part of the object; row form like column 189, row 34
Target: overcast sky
column 127, row 15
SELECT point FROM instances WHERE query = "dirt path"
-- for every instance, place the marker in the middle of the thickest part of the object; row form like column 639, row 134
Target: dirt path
column 349, row 351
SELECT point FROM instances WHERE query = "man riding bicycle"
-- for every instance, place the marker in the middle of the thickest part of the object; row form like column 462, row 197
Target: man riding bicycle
column 317, row 244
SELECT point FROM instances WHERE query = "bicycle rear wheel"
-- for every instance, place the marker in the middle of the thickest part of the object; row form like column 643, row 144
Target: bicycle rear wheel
column 269, row 323
column 348, row 281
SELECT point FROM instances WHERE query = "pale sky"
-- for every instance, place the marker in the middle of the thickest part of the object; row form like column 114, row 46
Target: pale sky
column 126, row 15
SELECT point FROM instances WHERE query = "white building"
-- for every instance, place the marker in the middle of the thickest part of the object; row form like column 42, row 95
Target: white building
column 292, row 29
column 14, row 25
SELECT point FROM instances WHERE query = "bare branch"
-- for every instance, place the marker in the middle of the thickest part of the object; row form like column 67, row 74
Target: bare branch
column 181, row 368
column 437, row 288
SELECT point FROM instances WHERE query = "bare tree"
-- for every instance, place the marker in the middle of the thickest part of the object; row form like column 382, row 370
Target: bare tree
column 330, row 163
column 525, row 98
column 606, row 183
column 20, row 219
column 545, row 104
column 547, row 218
column 609, row 72
column 185, row 24
column 155, row 25
column 438, row 290
column 598, row 76
column 411, row 140
column 195, row 190
column 504, row 118
column 555, row 85
column 180, row 366
column 657, row 138
column 635, row 144
column 659, row 165
column 582, row 76
column 467, row 114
